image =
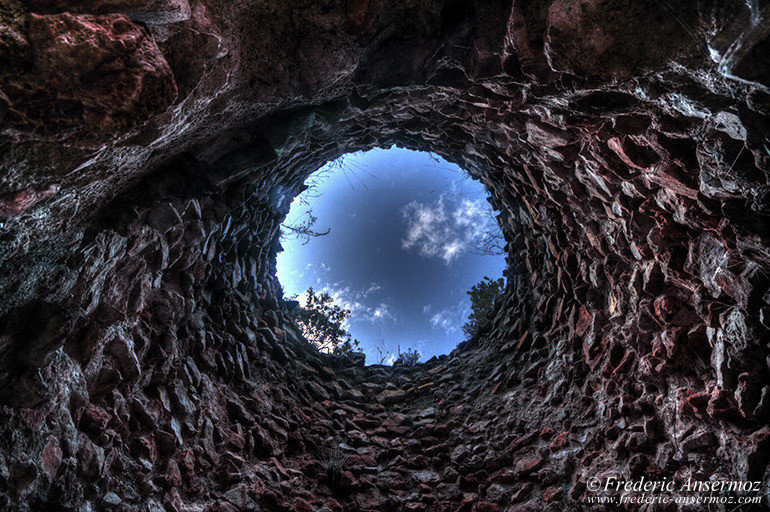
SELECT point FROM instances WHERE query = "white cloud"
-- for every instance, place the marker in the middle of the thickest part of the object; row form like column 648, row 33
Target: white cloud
column 373, row 288
column 355, row 302
column 382, row 312
column 450, row 319
column 322, row 266
column 445, row 320
column 444, row 230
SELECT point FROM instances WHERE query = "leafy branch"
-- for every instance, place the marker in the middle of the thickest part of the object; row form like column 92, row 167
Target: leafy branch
column 483, row 295
column 322, row 323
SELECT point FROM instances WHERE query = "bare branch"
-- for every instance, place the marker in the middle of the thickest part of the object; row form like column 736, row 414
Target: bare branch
column 303, row 230
column 492, row 244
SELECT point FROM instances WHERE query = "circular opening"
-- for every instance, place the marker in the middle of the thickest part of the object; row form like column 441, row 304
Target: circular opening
column 397, row 238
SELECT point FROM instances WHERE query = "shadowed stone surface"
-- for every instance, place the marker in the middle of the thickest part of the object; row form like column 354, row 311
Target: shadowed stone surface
column 150, row 150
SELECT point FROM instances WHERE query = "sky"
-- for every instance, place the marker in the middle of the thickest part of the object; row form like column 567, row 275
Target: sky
column 398, row 255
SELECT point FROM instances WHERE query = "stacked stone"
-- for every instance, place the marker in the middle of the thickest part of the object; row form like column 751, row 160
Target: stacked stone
column 150, row 150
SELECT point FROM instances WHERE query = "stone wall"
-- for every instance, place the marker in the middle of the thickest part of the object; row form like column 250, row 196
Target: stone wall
column 150, row 150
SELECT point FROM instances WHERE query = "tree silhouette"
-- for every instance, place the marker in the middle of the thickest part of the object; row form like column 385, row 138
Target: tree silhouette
column 322, row 323
column 483, row 295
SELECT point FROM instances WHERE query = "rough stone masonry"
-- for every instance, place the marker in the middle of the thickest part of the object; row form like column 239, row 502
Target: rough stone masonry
column 150, row 149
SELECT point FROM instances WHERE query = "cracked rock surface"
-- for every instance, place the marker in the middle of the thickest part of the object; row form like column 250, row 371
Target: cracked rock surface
column 150, row 149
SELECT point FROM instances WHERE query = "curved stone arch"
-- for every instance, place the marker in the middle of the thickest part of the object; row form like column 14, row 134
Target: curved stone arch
column 143, row 332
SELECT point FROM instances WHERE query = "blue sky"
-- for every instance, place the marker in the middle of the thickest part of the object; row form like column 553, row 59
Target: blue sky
column 403, row 224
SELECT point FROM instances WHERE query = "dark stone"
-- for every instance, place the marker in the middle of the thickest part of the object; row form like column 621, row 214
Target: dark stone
column 149, row 152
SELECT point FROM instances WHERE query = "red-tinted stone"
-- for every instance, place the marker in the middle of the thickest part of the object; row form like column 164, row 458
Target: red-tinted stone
column 630, row 186
column 94, row 419
column 559, row 441
column 551, row 494
column 21, row 201
column 522, row 493
column 722, row 404
column 90, row 457
column 391, row 396
column 584, row 320
column 372, row 499
column 172, row 477
column 300, row 505
column 51, row 457
column 474, row 479
column 187, row 460
column 525, row 467
column 106, row 64
column 333, row 505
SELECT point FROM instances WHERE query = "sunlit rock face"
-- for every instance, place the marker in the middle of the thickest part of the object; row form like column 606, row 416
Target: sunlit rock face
column 150, row 149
